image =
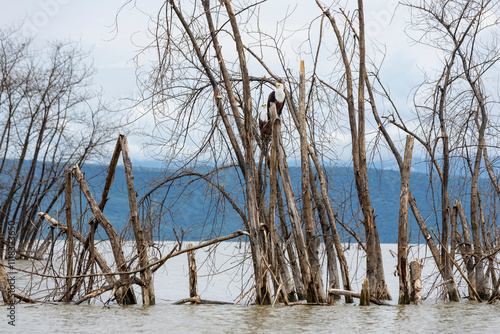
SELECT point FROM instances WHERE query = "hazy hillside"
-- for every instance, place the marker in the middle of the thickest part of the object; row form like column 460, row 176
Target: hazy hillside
column 190, row 208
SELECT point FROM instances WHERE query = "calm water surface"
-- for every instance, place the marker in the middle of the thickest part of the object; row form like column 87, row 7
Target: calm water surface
column 434, row 316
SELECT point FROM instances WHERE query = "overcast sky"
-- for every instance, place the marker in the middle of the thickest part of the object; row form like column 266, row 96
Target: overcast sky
column 92, row 23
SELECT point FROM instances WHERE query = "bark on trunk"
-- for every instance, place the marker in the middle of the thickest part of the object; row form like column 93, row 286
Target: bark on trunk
column 148, row 292
column 290, row 249
column 125, row 294
column 404, row 288
column 69, row 233
column 317, row 294
column 416, row 281
column 5, row 287
column 466, row 246
column 193, row 278
column 364, row 299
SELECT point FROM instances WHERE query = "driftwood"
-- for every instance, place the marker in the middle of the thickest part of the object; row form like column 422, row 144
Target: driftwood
column 23, row 298
column 352, row 294
column 115, row 286
column 198, row 300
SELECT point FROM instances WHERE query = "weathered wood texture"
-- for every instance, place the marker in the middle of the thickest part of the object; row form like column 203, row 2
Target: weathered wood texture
column 316, row 285
column 8, row 298
column 404, row 284
column 364, row 299
column 124, row 295
column 147, row 288
column 416, row 281
column 352, row 294
column 193, row 278
column 68, row 190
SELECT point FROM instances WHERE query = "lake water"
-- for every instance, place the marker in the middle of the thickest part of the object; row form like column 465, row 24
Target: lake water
column 171, row 284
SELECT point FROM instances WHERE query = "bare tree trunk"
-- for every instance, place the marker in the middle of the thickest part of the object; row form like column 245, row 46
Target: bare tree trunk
column 294, row 217
column 273, row 194
column 5, row 287
column 445, row 274
column 466, row 248
column 333, row 228
column 416, row 281
column 69, row 232
column 364, row 299
column 193, row 279
column 289, row 245
column 263, row 292
column 125, row 294
column 374, row 264
column 317, row 293
column 148, row 292
column 332, row 270
column 404, row 284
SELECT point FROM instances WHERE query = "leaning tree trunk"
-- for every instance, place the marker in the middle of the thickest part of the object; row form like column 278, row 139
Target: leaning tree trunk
column 125, row 295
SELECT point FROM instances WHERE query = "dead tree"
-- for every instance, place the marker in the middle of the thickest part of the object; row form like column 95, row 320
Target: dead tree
column 356, row 115
column 403, row 266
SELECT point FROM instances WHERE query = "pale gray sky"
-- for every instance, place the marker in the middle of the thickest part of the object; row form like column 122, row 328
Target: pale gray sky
column 92, row 23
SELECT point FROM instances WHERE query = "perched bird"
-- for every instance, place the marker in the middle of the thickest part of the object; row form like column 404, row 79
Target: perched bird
column 278, row 98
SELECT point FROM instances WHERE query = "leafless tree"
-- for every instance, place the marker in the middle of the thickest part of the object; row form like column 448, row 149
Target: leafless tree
column 455, row 129
column 50, row 118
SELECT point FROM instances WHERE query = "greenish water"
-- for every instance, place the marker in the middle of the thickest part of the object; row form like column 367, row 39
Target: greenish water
column 171, row 284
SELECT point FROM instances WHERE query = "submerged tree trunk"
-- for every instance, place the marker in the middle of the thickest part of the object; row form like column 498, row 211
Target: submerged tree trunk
column 125, row 294
column 404, row 284
column 466, row 246
column 416, row 281
column 148, row 291
column 317, row 293
column 374, row 263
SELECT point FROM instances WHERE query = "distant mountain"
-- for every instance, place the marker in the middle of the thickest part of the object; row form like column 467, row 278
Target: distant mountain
column 191, row 205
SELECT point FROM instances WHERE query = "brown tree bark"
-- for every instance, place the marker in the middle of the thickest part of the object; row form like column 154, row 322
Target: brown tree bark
column 404, row 279
column 374, row 264
column 69, row 231
column 416, row 281
column 466, row 246
column 317, row 294
column 290, row 249
column 125, row 294
column 193, row 278
column 5, row 287
column 148, row 292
